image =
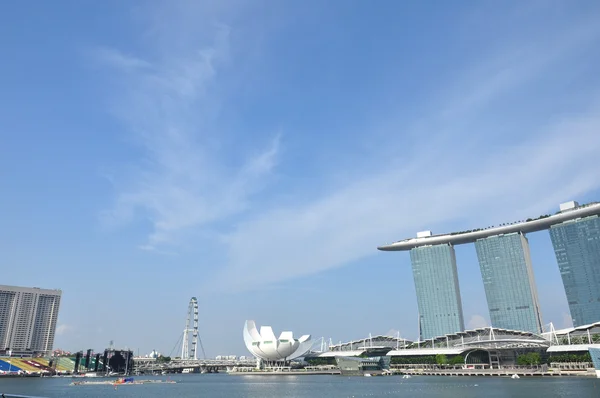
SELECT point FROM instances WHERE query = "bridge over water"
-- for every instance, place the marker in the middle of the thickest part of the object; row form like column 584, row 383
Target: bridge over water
column 151, row 365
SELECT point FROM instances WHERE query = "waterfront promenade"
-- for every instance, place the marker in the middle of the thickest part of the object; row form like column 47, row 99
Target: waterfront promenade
column 497, row 372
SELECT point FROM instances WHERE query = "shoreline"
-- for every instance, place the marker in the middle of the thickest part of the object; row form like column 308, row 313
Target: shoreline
column 505, row 373
column 499, row 373
column 333, row 372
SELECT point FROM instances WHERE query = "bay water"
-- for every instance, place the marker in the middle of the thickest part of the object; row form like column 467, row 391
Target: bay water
column 227, row 386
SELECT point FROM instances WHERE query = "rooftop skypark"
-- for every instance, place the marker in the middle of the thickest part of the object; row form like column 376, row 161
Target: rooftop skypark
column 568, row 211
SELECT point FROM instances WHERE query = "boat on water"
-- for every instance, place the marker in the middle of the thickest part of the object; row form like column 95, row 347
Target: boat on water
column 18, row 396
column 123, row 381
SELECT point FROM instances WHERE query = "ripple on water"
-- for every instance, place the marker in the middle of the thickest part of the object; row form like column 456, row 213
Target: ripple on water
column 222, row 385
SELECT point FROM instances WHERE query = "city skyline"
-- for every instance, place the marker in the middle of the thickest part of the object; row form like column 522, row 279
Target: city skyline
column 504, row 257
column 254, row 154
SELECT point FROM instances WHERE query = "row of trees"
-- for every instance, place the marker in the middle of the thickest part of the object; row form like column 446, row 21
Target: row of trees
column 526, row 359
column 321, row 361
column 441, row 359
column 534, row 358
column 530, row 358
column 570, row 358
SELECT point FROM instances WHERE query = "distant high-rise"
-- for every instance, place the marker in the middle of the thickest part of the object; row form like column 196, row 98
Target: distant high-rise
column 28, row 319
column 508, row 280
column 577, row 249
column 438, row 293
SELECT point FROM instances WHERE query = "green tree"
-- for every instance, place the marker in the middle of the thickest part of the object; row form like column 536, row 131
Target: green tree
column 441, row 359
column 534, row 358
column 570, row 358
column 456, row 360
column 530, row 358
column 320, row 361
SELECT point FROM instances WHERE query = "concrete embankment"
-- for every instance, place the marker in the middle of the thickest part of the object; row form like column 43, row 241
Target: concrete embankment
column 287, row 373
column 498, row 373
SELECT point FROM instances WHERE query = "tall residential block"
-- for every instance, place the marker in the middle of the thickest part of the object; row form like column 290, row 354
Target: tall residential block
column 508, row 281
column 28, row 319
column 438, row 292
column 577, row 249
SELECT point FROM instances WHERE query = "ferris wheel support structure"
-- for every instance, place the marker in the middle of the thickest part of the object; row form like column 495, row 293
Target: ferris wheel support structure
column 188, row 352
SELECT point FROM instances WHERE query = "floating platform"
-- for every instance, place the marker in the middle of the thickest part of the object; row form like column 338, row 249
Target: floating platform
column 120, row 382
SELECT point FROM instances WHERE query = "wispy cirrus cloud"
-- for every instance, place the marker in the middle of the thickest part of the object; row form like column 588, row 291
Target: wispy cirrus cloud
column 515, row 63
column 458, row 165
column 348, row 224
column 168, row 102
column 469, row 172
column 119, row 60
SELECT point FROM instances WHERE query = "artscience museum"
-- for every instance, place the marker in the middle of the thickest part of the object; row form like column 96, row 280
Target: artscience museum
column 265, row 346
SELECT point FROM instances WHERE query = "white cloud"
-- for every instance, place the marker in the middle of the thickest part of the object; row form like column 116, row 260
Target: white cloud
column 515, row 65
column 118, row 60
column 169, row 104
column 454, row 174
column 477, row 321
column 186, row 183
column 63, row 329
column 349, row 223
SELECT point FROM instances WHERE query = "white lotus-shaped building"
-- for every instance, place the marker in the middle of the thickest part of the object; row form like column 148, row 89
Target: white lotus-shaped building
column 266, row 346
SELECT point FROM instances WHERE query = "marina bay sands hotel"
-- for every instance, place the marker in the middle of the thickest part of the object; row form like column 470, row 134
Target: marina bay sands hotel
column 505, row 263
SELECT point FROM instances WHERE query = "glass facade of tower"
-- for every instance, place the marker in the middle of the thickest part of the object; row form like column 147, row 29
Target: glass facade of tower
column 577, row 249
column 509, row 284
column 438, row 293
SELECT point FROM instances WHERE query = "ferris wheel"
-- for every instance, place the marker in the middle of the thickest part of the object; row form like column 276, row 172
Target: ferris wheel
column 188, row 352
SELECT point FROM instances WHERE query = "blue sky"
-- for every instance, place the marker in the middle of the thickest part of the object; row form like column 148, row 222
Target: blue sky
column 255, row 153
